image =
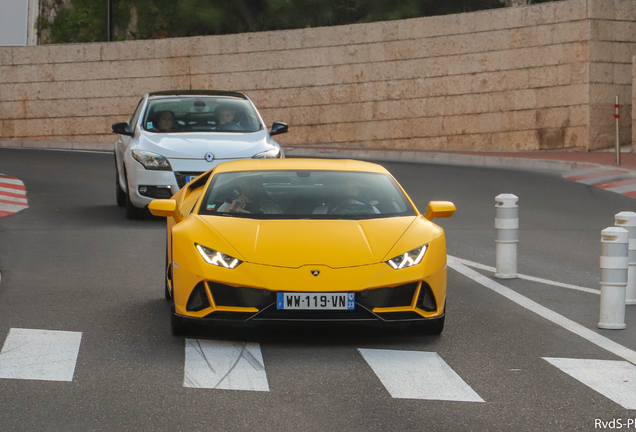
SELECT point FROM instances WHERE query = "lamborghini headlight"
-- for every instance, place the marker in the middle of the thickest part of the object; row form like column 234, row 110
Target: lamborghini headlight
column 268, row 154
column 217, row 258
column 408, row 259
column 151, row 161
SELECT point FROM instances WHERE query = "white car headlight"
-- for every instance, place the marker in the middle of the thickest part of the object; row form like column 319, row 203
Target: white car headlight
column 268, row 154
column 408, row 259
column 151, row 161
column 217, row 258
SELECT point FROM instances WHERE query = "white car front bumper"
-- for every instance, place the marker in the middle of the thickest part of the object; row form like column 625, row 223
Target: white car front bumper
column 154, row 180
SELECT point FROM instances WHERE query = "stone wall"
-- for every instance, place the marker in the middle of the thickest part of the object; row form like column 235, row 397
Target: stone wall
column 537, row 77
column 612, row 45
column 633, row 108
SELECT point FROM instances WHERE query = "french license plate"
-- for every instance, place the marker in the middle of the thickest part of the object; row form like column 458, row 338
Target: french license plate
column 316, row 301
column 190, row 178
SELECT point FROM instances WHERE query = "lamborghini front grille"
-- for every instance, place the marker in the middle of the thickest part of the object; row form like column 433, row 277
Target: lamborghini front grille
column 198, row 299
column 226, row 295
column 401, row 295
column 426, row 299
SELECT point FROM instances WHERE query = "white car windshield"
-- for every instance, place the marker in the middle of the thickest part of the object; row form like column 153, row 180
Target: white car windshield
column 305, row 195
column 200, row 114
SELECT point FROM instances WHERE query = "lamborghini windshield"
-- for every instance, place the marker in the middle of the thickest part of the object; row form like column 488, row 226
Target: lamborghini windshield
column 200, row 114
column 305, row 195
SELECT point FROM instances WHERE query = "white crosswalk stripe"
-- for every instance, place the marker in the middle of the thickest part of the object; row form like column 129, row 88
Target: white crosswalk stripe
column 224, row 365
column 616, row 380
column 418, row 375
column 49, row 355
column 46, row 355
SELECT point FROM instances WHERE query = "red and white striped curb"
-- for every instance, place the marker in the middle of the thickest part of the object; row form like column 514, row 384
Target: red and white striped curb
column 611, row 179
column 12, row 195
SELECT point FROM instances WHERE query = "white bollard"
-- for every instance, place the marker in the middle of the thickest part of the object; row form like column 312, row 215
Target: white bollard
column 507, row 226
column 627, row 220
column 614, row 264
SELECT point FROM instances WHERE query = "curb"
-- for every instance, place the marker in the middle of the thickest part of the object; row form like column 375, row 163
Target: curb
column 432, row 157
column 412, row 156
column 59, row 145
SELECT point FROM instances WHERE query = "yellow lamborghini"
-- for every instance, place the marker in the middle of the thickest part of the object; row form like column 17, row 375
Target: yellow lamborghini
column 303, row 240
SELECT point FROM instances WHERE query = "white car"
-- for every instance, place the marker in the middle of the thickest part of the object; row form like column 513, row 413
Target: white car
column 174, row 136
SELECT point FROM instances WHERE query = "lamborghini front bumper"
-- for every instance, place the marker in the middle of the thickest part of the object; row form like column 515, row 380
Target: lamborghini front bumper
column 248, row 293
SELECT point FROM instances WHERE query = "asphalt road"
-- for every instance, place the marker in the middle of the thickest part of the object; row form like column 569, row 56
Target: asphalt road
column 73, row 262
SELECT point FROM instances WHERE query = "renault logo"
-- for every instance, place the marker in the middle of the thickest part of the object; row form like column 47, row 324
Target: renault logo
column 315, row 272
column 209, row 157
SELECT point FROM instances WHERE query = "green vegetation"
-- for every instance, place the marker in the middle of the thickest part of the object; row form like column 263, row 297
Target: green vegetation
column 81, row 23
column 85, row 20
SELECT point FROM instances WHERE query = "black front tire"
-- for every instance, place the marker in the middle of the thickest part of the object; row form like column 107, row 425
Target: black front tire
column 168, row 274
column 120, row 195
column 133, row 212
column 177, row 324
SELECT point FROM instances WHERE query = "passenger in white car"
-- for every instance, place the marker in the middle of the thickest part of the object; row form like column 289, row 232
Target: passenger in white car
column 166, row 121
column 225, row 117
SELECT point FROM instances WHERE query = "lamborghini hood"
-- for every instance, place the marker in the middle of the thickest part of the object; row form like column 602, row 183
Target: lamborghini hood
column 294, row 243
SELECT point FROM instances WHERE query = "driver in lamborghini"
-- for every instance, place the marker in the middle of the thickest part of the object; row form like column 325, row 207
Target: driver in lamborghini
column 350, row 196
column 252, row 199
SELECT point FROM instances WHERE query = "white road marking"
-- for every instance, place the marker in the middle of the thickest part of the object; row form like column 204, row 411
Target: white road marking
column 10, row 181
column 14, row 208
column 578, row 329
column 560, row 284
column 622, row 189
column 14, row 191
column 616, row 380
column 39, row 355
column 476, row 265
column 530, row 278
column 13, row 199
column 224, row 365
column 418, row 375
column 604, row 176
column 604, row 179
